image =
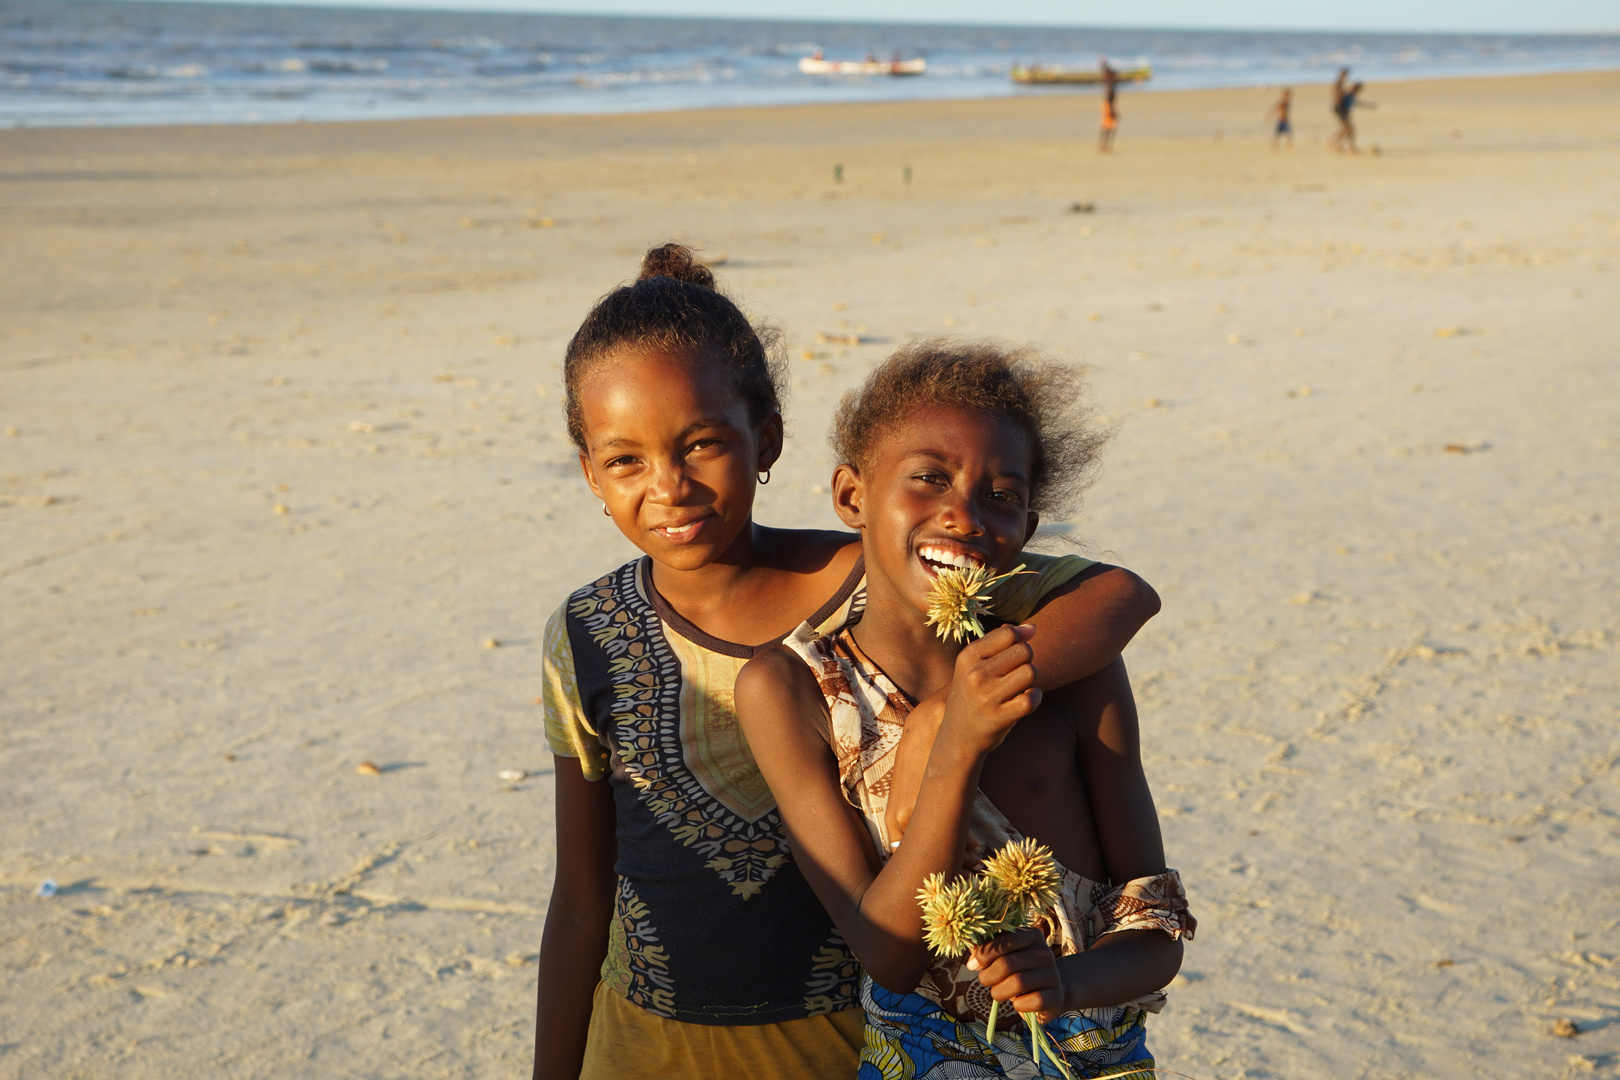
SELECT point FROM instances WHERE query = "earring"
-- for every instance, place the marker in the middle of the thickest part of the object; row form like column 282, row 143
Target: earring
column 605, row 511
column 765, row 477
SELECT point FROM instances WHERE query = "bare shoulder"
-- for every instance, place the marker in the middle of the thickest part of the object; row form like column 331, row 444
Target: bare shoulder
column 777, row 676
column 778, row 698
column 775, row 666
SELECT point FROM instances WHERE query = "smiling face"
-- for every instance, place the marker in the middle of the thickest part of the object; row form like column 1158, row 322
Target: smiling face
column 672, row 454
column 949, row 486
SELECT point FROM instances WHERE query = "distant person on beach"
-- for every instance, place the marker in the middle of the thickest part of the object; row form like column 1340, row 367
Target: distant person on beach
column 1341, row 88
column 1282, row 113
column 682, row 941
column 1110, row 106
column 1345, row 101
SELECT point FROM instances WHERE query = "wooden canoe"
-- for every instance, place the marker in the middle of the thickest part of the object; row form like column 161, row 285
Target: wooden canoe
column 1071, row 76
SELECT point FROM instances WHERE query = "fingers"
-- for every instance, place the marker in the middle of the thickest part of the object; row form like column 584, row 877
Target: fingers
column 1003, row 649
column 973, row 855
column 1047, row 1005
column 999, row 665
column 1001, row 945
column 1019, row 968
column 993, row 686
column 1006, row 689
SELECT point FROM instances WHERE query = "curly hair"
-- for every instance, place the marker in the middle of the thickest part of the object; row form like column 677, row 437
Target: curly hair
column 1042, row 398
column 673, row 306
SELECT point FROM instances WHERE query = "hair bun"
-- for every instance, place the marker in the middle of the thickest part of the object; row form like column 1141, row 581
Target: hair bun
column 675, row 261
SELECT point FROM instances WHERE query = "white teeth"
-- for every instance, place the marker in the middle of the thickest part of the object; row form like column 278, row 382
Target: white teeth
column 678, row 530
column 949, row 558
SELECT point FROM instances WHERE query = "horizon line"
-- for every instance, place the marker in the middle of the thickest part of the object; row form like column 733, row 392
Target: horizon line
column 495, row 7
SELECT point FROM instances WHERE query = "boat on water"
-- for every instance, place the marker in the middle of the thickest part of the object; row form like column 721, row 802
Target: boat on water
column 1041, row 75
column 819, row 65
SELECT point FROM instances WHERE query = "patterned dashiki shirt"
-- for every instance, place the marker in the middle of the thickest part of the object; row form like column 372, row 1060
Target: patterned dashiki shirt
column 713, row 923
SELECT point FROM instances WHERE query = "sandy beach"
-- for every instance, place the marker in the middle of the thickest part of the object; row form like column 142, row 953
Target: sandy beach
column 284, row 488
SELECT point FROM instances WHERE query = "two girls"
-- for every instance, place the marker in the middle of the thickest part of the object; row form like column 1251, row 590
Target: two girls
column 682, row 939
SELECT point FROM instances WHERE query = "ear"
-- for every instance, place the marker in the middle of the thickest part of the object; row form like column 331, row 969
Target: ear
column 1033, row 524
column 590, row 474
column 770, row 441
column 849, row 496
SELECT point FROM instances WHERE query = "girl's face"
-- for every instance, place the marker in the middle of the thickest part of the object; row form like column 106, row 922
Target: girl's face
column 948, row 487
column 672, row 455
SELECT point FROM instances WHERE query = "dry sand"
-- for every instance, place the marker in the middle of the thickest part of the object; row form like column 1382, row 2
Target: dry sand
column 282, row 457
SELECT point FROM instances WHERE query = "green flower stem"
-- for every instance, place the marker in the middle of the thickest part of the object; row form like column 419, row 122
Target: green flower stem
column 1038, row 1038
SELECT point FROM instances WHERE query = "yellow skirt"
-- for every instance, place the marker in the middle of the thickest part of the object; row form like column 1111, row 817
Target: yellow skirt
column 627, row 1042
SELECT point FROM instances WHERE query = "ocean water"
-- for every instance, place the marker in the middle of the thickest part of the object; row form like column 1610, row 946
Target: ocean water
column 79, row 62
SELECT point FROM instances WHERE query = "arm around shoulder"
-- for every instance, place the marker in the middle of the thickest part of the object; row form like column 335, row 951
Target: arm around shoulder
column 1087, row 622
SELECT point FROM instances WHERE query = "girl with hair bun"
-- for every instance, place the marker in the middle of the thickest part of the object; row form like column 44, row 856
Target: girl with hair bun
column 681, row 939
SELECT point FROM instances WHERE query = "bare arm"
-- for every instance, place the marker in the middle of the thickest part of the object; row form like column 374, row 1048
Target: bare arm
column 874, row 905
column 1126, row 964
column 576, row 934
column 1085, row 624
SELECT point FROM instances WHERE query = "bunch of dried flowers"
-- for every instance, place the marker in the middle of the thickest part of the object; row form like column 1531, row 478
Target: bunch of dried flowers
column 1016, row 886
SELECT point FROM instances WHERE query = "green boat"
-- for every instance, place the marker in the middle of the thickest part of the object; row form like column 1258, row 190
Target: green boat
column 1040, row 75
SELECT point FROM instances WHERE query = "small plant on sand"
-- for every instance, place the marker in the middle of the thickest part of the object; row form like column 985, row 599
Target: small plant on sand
column 959, row 596
column 1017, row 885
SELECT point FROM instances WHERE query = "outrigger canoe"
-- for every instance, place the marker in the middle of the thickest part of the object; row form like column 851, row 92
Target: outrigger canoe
column 1070, row 76
column 811, row 65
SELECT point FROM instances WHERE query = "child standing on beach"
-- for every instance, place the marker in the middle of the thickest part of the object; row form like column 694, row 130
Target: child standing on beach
column 1281, row 112
column 682, row 939
column 1110, row 106
column 949, row 454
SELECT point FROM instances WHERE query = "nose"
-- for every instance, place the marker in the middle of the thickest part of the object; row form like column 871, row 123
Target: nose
column 960, row 514
column 670, row 483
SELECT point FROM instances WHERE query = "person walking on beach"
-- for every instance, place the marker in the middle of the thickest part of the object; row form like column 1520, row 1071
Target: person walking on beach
column 1345, row 100
column 1285, row 127
column 1341, row 89
column 1110, row 110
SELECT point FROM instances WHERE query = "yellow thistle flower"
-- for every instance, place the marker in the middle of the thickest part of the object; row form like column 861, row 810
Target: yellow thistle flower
column 954, row 919
column 959, row 596
column 1025, row 873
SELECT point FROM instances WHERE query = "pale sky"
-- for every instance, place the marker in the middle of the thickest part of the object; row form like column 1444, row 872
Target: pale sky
column 1445, row 15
